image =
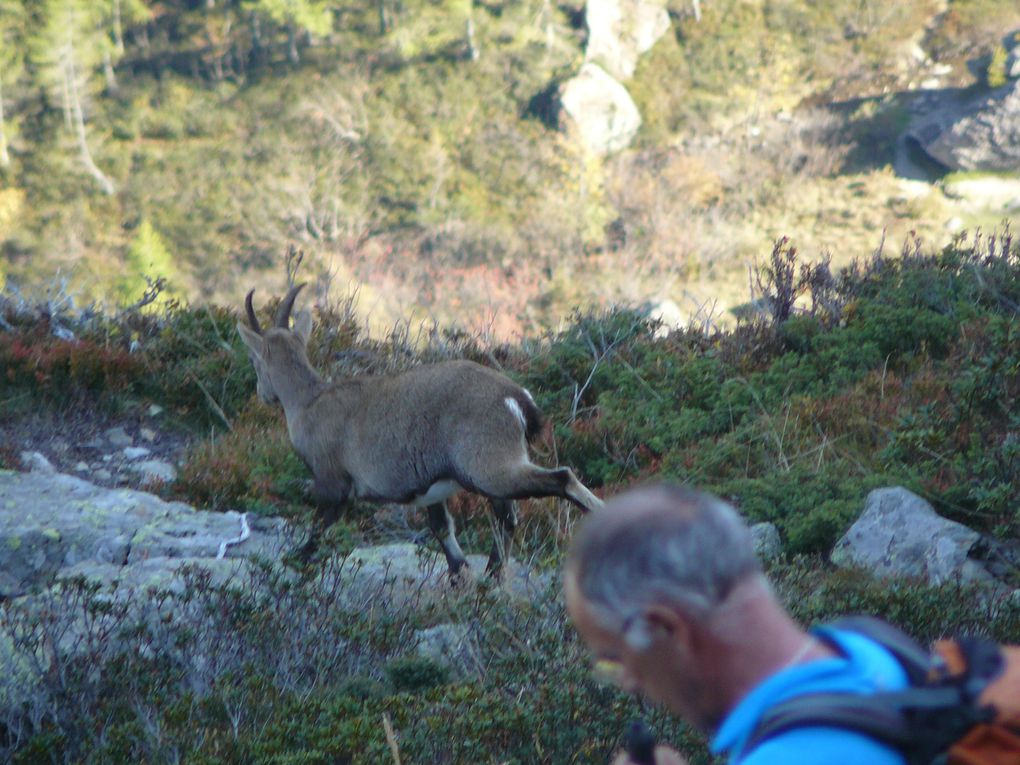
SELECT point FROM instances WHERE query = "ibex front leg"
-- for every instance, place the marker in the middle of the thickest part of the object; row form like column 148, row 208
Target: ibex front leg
column 328, row 499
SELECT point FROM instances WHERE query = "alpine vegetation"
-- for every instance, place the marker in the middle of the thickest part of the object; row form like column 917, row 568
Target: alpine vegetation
column 418, row 437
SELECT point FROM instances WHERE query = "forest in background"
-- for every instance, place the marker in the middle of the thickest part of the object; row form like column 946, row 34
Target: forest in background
column 399, row 144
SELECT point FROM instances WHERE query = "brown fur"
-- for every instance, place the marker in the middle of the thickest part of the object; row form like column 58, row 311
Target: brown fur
column 390, row 438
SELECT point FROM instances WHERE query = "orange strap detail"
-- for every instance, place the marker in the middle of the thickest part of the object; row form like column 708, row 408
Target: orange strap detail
column 987, row 745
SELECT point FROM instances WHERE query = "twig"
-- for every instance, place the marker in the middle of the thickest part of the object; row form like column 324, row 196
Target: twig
column 390, row 738
column 217, row 410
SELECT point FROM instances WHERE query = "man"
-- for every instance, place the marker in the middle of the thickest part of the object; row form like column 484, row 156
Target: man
column 665, row 588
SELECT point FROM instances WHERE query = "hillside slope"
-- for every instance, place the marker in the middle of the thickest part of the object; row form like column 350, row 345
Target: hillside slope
column 903, row 370
column 426, row 179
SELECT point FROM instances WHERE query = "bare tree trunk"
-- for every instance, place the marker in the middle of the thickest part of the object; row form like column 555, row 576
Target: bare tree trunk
column 292, row 49
column 111, row 76
column 256, row 36
column 472, row 46
column 118, row 32
column 383, row 23
column 697, row 9
column 68, row 122
column 71, row 86
column 5, row 157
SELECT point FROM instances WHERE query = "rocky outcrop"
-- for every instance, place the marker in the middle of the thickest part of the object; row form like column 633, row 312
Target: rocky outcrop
column 594, row 101
column 767, row 544
column 900, row 535
column 980, row 133
column 619, row 31
column 159, row 568
column 1013, row 63
column 600, row 110
column 54, row 525
column 412, row 575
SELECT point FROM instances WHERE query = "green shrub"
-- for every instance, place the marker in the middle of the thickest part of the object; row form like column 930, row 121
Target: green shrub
column 411, row 674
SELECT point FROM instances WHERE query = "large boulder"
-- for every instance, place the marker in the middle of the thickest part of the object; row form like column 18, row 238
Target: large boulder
column 600, row 109
column 619, row 31
column 978, row 133
column 54, row 525
column 900, row 535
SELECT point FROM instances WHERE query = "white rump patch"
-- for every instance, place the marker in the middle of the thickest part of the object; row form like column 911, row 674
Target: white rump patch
column 516, row 411
column 437, row 492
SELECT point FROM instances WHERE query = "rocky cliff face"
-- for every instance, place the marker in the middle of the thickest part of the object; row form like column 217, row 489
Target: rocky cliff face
column 974, row 133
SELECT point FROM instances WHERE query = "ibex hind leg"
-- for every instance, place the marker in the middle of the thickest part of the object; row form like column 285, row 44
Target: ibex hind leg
column 533, row 481
column 441, row 523
column 579, row 494
column 506, row 521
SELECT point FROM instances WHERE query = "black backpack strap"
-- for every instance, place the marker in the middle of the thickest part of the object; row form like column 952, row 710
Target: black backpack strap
column 915, row 659
column 921, row 721
column 836, row 710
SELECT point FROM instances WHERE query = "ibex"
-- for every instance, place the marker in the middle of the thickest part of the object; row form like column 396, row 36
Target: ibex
column 417, row 437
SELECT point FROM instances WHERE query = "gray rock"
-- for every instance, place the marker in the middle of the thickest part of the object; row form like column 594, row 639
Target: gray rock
column 154, row 470
column 450, row 645
column 37, row 462
column 974, row 133
column 118, row 437
column 190, row 533
column 900, row 535
column 407, row 575
column 668, row 315
column 600, row 109
column 1013, row 63
column 53, row 522
column 159, row 573
column 767, row 544
column 619, row 31
column 136, row 452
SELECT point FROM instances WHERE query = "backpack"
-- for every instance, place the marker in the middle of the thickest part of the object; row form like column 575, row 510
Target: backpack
column 962, row 706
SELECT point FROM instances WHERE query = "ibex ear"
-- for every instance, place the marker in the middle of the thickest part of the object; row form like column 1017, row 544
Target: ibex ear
column 303, row 325
column 251, row 338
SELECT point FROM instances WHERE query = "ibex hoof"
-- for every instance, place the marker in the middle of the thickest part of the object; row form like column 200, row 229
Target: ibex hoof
column 460, row 575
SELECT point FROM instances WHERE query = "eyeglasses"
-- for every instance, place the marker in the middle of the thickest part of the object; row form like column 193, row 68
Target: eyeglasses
column 607, row 671
column 611, row 671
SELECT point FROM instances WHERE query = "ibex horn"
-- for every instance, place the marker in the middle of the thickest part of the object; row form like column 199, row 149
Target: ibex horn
column 251, row 313
column 283, row 312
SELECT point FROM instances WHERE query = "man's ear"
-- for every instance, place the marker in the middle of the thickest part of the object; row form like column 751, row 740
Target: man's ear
column 252, row 339
column 663, row 622
column 303, row 325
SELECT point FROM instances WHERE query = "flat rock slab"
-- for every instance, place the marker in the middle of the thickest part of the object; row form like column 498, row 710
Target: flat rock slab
column 407, row 574
column 51, row 523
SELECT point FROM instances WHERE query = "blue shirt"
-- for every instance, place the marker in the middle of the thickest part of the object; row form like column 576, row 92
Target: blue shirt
column 864, row 668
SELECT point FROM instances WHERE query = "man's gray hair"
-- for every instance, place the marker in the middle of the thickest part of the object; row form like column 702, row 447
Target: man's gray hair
column 661, row 544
